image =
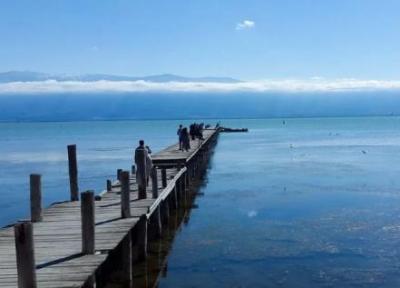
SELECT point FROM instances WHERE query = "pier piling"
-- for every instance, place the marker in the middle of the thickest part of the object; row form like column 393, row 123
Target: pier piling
column 164, row 177
column 154, row 181
column 88, row 222
column 165, row 211
column 25, row 255
column 174, row 198
column 157, row 222
column 119, row 171
column 73, row 172
column 141, row 238
column 125, row 195
column 36, row 197
column 126, row 253
column 109, row 185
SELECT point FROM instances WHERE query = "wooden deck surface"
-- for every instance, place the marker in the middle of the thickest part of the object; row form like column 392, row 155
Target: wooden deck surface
column 172, row 154
column 57, row 238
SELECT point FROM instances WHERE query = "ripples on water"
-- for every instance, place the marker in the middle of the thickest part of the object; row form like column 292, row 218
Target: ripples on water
column 308, row 203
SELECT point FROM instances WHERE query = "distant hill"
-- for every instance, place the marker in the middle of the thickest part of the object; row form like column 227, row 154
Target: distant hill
column 25, row 76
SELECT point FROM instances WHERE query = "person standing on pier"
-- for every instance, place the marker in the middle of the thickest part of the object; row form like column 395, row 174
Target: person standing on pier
column 179, row 133
column 185, row 139
column 149, row 165
column 141, row 155
column 200, row 131
column 192, row 130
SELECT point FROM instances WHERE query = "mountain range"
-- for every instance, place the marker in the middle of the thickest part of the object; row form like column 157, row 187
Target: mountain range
column 28, row 76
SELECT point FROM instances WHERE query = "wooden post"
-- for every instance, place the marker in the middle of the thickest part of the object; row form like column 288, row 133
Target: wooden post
column 178, row 194
column 156, row 222
column 154, row 181
column 193, row 170
column 25, row 253
column 125, row 195
column 160, row 257
column 126, row 253
column 187, row 180
column 36, row 198
column 109, row 186
column 183, row 193
column 164, row 177
column 174, row 199
column 133, row 169
column 141, row 177
column 183, row 177
column 165, row 211
column 73, row 172
column 142, row 238
column 88, row 222
column 119, row 171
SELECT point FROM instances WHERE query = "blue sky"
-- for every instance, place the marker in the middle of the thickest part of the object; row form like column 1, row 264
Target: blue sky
column 283, row 39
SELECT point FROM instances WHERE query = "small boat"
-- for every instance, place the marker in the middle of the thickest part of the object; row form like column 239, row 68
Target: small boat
column 224, row 129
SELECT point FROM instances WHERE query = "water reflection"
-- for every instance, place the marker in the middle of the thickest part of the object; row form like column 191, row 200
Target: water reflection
column 148, row 273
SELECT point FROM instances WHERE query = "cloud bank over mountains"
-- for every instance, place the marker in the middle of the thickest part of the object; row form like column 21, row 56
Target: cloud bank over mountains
column 25, row 82
column 289, row 85
column 28, row 96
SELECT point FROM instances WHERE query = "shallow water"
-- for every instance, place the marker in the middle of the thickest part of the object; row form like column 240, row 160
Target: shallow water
column 299, row 203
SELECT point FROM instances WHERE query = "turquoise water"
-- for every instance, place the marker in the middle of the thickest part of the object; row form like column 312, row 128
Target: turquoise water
column 300, row 203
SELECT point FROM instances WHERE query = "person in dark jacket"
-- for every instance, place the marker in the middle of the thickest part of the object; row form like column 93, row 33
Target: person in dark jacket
column 179, row 132
column 140, row 168
column 200, row 131
column 185, row 139
column 192, row 130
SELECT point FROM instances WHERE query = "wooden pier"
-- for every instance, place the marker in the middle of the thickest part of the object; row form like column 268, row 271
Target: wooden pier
column 76, row 243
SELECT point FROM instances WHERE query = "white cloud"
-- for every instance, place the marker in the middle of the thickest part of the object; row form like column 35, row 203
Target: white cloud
column 288, row 85
column 245, row 24
column 94, row 48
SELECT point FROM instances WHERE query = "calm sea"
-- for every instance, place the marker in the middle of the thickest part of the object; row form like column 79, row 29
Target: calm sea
column 293, row 203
